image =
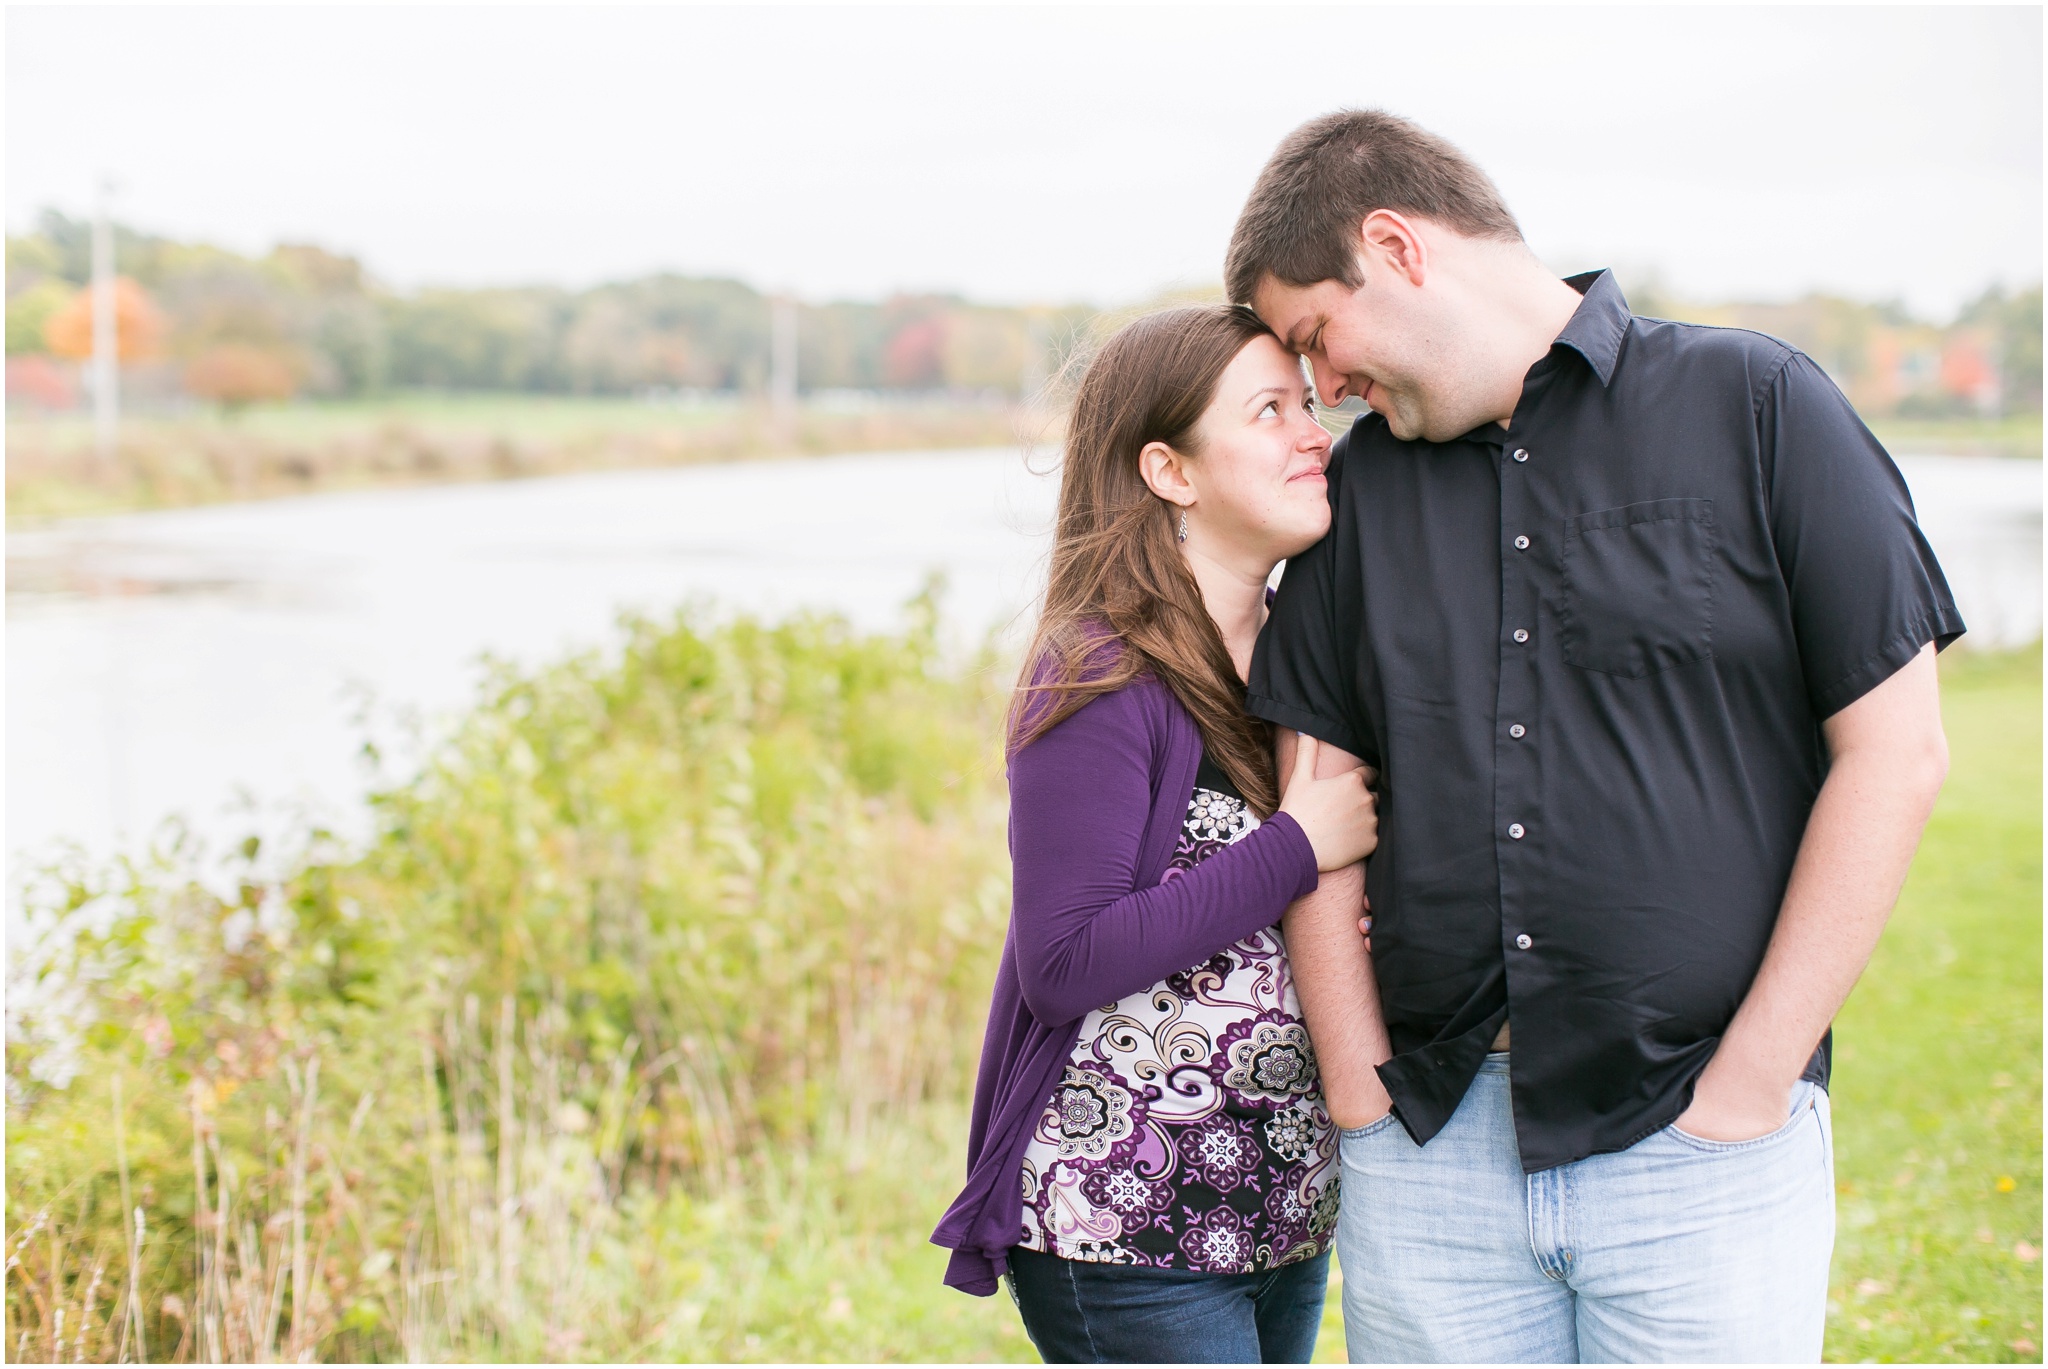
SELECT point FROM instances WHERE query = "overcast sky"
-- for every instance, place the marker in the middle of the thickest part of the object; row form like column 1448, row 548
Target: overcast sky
column 1034, row 153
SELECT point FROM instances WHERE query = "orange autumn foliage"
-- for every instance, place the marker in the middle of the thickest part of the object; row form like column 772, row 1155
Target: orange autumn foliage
column 235, row 373
column 138, row 324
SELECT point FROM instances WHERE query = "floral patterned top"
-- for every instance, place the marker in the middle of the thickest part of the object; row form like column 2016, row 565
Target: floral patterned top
column 1189, row 1131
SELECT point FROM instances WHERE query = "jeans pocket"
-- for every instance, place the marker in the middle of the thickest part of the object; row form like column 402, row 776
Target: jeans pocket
column 1802, row 1106
column 1370, row 1129
column 1639, row 587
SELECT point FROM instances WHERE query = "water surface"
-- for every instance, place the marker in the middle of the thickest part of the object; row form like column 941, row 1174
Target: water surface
column 168, row 662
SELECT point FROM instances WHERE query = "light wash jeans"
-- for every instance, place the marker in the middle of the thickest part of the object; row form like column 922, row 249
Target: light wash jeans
column 1676, row 1249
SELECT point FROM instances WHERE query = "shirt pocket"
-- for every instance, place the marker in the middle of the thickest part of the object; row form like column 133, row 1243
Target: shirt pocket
column 1639, row 587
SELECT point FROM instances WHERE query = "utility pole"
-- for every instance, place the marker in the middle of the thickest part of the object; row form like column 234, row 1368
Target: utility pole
column 782, row 364
column 106, row 346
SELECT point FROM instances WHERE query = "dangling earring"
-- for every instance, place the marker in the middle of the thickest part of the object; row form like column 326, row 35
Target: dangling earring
column 1183, row 534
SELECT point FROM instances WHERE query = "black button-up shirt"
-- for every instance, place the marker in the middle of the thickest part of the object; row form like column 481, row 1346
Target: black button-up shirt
column 1589, row 654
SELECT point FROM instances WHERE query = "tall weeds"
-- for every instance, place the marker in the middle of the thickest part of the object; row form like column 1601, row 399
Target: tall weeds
column 661, row 950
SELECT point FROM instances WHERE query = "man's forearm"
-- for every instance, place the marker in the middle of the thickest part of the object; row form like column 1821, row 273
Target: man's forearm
column 1339, row 996
column 1859, row 842
column 1852, row 862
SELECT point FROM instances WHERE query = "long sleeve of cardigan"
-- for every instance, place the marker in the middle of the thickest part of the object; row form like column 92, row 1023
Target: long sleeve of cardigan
column 1080, row 797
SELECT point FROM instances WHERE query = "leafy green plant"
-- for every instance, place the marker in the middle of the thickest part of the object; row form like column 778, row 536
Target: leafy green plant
column 657, row 940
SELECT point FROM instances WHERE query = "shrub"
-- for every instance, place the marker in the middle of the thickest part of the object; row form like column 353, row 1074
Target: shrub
column 646, row 928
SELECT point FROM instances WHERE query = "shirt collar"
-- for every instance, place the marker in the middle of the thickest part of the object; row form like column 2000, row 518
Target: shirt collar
column 1599, row 323
column 1595, row 332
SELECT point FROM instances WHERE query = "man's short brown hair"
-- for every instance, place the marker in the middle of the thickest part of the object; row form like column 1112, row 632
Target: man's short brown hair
column 1300, row 225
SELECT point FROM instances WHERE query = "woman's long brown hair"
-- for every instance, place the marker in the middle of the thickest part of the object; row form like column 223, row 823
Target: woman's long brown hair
column 1119, row 599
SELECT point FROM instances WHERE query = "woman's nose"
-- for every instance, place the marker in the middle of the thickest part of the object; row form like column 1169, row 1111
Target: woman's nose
column 1312, row 434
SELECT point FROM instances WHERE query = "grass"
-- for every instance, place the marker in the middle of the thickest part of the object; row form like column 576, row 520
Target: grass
column 2017, row 435
column 1937, row 1092
column 265, row 451
column 644, row 1027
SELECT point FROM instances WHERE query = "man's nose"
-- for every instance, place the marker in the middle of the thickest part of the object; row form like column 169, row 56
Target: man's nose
column 1330, row 386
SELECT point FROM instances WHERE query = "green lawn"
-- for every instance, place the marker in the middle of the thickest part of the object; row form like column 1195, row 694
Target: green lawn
column 495, row 413
column 203, row 456
column 2015, row 435
column 1937, row 1088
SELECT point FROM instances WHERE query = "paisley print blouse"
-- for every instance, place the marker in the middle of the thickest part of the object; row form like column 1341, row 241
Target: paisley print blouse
column 1189, row 1130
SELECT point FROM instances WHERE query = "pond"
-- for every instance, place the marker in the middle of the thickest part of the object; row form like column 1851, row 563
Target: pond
column 228, row 662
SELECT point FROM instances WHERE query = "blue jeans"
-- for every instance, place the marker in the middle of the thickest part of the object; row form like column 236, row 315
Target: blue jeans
column 1081, row 1313
column 1674, row 1249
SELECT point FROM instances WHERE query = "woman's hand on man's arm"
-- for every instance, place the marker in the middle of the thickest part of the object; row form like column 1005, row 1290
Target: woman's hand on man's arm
column 1336, row 811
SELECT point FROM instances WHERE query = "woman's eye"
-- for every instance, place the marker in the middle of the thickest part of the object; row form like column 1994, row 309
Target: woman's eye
column 1272, row 408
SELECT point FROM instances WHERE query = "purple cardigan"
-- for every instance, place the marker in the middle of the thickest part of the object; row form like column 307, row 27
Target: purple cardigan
column 1096, row 808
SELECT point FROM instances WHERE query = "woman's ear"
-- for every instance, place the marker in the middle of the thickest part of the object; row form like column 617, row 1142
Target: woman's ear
column 1165, row 473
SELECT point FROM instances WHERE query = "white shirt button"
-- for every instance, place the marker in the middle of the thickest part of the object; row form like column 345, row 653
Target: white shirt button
column 1521, row 634
column 1521, row 544
column 1523, row 941
column 1516, row 830
column 1521, row 455
column 1517, row 730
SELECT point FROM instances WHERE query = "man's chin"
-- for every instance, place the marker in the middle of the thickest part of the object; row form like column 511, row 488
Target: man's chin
column 1405, row 425
column 1405, row 419
column 1410, row 426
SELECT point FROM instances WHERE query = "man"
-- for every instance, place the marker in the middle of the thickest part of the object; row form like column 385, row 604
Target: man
column 1635, row 623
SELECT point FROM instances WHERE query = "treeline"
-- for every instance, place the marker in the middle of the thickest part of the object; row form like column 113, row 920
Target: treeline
column 1987, row 363
column 304, row 320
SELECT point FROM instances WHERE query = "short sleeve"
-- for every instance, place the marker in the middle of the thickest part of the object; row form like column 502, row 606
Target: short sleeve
column 1300, row 664
column 1866, row 591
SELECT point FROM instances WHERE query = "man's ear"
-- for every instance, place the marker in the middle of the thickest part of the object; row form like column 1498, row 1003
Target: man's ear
column 1393, row 241
column 1165, row 473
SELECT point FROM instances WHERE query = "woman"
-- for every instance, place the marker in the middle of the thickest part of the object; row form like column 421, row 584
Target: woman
column 1158, row 1175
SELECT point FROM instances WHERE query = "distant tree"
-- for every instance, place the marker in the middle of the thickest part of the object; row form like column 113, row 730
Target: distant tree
column 985, row 349
column 2015, row 322
column 229, row 299
column 29, row 313
column 137, row 255
column 138, row 324
column 317, row 271
column 669, row 330
column 41, row 383
column 914, row 357
column 348, row 330
column 478, row 339
column 30, row 260
column 839, row 345
column 2021, row 362
column 234, row 374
